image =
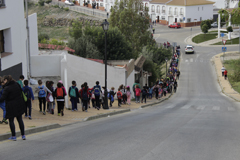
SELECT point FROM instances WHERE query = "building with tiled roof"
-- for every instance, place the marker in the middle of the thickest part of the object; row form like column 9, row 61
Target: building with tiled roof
column 186, row 12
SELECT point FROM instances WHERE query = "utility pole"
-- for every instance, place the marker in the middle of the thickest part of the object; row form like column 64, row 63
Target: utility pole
column 28, row 42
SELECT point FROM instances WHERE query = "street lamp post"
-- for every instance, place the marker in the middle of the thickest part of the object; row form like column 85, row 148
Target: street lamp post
column 105, row 26
column 166, row 66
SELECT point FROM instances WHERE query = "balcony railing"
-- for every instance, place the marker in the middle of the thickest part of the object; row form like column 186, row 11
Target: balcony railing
column 163, row 11
column 2, row 3
column 170, row 12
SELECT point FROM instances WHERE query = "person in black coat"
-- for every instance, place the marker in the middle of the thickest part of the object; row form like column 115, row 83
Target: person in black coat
column 15, row 105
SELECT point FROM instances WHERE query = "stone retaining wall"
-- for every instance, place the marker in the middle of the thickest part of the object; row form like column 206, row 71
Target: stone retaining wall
column 58, row 22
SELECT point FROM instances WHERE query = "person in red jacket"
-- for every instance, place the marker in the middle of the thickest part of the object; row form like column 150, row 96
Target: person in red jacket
column 138, row 93
column 85, row 94
column 225, row 74
column 119, row 96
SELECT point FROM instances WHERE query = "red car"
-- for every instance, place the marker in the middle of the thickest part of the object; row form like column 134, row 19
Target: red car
column 175, row 25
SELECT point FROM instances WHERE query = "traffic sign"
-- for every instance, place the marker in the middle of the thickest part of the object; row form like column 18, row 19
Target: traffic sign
column 224, row 49
column 174, row 44
column 222, row 34
column 224, row 41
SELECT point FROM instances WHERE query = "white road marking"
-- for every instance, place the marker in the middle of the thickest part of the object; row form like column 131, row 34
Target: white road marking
column 186, row 107
column 231, row 109
column 198, row 55
column 170, row 107
column 216, row 108
column 200, row 107
column 186, row 60
column 191, row 60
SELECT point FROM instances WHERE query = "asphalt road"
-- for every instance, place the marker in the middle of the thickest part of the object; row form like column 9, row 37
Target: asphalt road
column 196, row 123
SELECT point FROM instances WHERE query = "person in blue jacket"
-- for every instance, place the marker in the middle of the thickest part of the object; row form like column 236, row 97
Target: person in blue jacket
column 30, row 98
column 2, row 104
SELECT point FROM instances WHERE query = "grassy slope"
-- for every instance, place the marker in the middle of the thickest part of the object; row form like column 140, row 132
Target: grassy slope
column 229, row 42
column 53, row 32
column 204, row 37
column 230, row 65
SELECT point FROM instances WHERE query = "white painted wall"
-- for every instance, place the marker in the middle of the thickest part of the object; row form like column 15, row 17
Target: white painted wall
column 12, row 19
column 83, row 70
column 33, row 32
column 193, row 13
column 46, row 65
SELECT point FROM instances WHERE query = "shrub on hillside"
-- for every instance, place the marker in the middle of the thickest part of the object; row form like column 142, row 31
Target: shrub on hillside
column 66, row 9
column 48, row 1
column 41, row 2
column 42, row 37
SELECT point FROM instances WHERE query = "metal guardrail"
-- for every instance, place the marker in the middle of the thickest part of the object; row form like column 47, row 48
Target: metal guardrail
column 87, row 11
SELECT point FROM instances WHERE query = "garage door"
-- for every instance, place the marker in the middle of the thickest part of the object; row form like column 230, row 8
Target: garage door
column 170, row 20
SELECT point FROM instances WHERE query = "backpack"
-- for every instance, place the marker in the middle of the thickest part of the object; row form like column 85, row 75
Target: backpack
column 97, row 91
column 72, row 92
column 42, row 92
column 84, row 95
column 137, row 92
column 119, row 96
column 59, row 93
column 144, row 93
column 27, row 93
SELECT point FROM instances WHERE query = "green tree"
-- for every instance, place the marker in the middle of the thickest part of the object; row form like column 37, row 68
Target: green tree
column 133, row 21
column 204, row 29
column 76, row 30
column 84, row 47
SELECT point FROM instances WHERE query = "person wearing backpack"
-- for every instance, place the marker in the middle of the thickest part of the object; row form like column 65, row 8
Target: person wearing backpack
column 111, row 95
column 97, row 92
column 144, row 94
column 134, row 86
column 119, row 96
column 21, row 78
column 73, row 93
column 93, row 99
column 84, row 94
column 2, row 104
column 42, row 93
column 60, row 94
column 138, row 93
column 30, row 98
column 50, row 97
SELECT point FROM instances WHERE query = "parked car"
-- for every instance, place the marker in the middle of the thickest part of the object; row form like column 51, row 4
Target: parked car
column 214, row 24
column 174, row 25
column 189, row 49
column 69, row 3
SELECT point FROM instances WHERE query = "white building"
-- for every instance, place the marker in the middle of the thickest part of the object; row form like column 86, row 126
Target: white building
column 222, row 4
column 187, row 12
column 13, row 38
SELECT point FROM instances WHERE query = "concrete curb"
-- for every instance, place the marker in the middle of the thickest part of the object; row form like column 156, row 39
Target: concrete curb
column 151, row 104
column 31, row 131
column 107, row 114
column 220, row 82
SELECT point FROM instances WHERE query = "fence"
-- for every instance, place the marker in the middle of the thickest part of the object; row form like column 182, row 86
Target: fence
column 85, row 10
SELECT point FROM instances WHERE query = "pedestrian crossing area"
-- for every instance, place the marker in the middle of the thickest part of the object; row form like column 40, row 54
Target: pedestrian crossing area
column 197, row 60
column 202, row 107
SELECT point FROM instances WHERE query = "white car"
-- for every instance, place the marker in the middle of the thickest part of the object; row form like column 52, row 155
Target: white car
column 69, row 3
column 213, row 25
column 189, row 49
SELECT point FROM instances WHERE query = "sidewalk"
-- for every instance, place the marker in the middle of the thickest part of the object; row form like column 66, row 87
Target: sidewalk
column 38, row 119
column 224, row 84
